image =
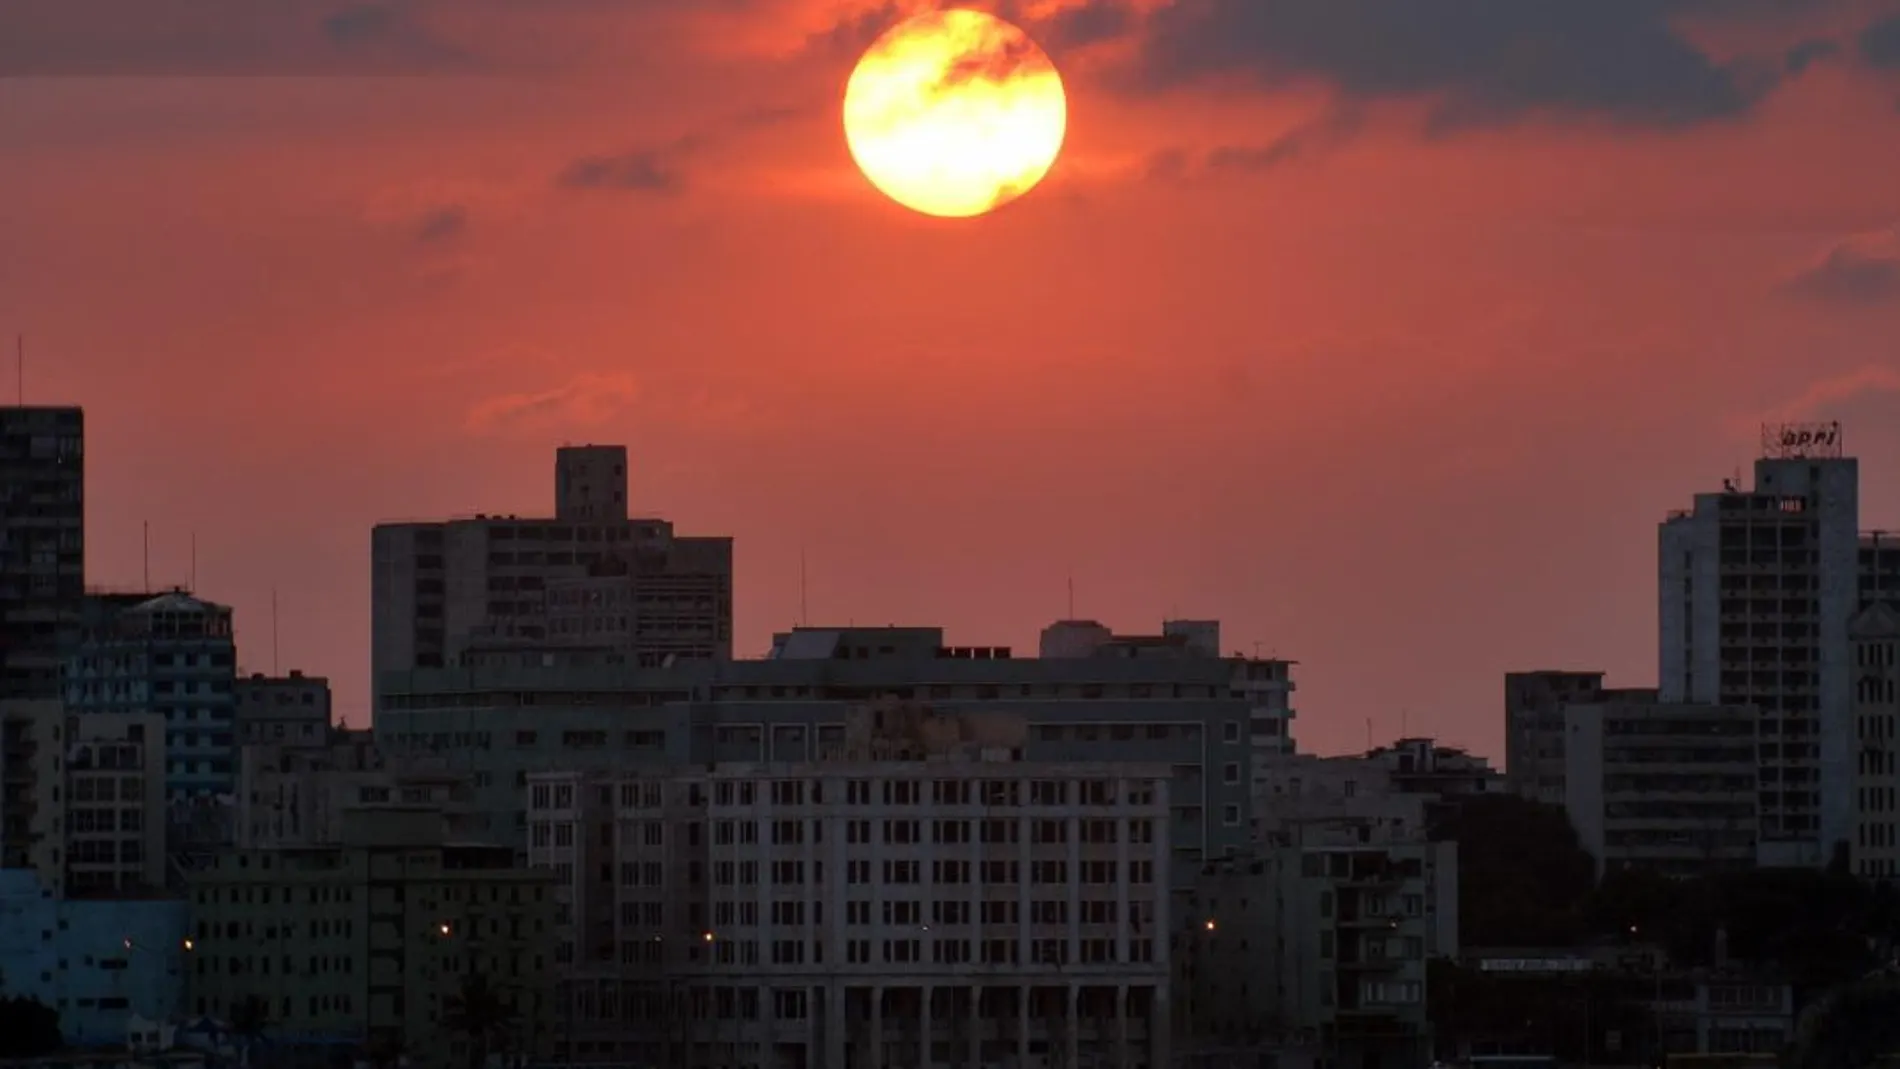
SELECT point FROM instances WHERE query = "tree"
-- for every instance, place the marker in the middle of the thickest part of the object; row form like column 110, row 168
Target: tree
column 250, row 1016
column 1856, row 1026
column 29, row 1028
column 480, row 1014
column 1521, row 871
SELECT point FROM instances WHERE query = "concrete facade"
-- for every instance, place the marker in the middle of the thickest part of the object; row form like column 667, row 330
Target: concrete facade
column 42, row 546
column 1876, row 653
column 962, row 910
column 1755, row 591
column 1666, row 786
column 371, row 937
column 298, row 796
column 587, row 578
column 292, row 710
column 98, row 962
column 85, row 798
column 503, row 721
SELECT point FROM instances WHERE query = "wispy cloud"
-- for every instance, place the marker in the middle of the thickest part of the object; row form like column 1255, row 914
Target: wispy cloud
column 441, row 224
column 587, row 399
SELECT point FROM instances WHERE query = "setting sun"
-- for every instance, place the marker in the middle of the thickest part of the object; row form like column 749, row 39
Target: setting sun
column 955, row 113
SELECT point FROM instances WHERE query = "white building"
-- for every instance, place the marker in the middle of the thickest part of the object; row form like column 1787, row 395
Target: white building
column 1755, row 591
column 959, row 910
column 1664, row 786
column 85, row 798
column 1876, row 635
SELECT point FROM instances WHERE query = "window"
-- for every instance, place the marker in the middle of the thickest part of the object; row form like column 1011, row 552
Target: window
column 1230, row 731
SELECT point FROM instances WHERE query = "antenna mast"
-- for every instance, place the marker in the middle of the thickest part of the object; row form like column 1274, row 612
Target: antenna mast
column 1072, row 597
column 146, row 553
column 19, row 365
column 194, row 562
column 803, row 619
column 273, row 631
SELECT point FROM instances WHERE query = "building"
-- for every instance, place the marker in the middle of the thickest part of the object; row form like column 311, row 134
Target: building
column 1534, row 731
column 368, row 939
column 1665, row 786
column 922, row 900
column 1876, row 638
column 99, row 962
column 504, row 720
column 1320, row 944
column 1756, row 589
column 292, row 710
column 292, row 795
column 85, row 801
column 1396, row 790
column 42, row 546
column 588, row 578
column 171, row 655
column 1879, row 567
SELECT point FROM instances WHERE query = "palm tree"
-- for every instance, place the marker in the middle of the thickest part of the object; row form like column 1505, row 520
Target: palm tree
column 249, row 1017
column 479, row 1013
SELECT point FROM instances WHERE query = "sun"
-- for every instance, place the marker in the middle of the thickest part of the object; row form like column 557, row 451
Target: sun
column 955, row 113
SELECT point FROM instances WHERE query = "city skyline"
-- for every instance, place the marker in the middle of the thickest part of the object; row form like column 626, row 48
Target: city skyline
column 1400, row 401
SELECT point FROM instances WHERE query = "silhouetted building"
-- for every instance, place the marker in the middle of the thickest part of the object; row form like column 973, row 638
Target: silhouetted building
column 42, row 546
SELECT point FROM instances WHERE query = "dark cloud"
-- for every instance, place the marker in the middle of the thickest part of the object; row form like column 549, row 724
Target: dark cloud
column 1334, row 129
column 1880, row 43
column 1806, row 54
column 1085, row 24
column 442, row 224
column 1487, row 60
column 1861, row 271
column 641, row 171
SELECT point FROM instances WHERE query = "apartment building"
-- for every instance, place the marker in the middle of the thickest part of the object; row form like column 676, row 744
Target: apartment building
column 587, row 578
column 505, row 719
column 171, row 655
column 1666, row 786
column 368, row 939
column 84, row 799
column 291, row 710
column 1876, row 655
column 1398, row 789
column 42, row 546
column 927, row 903
column 1321, row 944
column 1534, row 732
column 1756, row 588
column 295, row 795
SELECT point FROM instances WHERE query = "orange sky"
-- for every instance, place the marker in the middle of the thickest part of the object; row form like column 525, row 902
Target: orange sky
column 1387, row 359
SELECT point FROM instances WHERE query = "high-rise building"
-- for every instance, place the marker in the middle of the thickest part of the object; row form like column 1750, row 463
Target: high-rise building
column 1876, row 638
column 587, row 578
column 1756, row 590
column 85, row 799
column 42, row 546
column 170, row 655
column 1534, row 726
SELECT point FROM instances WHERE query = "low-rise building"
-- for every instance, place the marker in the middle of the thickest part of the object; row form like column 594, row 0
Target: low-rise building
column 298, row 796
column 98, row 962
column 928, row 901
column 369, row 939
column 1669, row 786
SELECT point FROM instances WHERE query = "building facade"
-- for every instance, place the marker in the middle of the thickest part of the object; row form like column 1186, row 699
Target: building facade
column 299, row 796
column 587, row 578
column 85, row 799
column 42, row 546
column 368, row 939
column 1756, row 590
column 1534, row 732
column 1320, row 944
column 946, row 912
column 1876, row 639
column 98, row 962
column 503, row 721
column 292, row 710
column 1664, row 786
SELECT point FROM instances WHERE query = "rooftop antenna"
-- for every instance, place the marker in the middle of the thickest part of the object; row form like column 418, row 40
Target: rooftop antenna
column 273, row 631
column 803, row 619
column 1369, row 746
column 1071, row 597
column 194, row 562
column 146, row 552
column 19, row 365
column 1405, row 717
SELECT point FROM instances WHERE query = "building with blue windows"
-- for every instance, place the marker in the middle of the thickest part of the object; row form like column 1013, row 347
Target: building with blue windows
column 98, row 962
column 172, row 655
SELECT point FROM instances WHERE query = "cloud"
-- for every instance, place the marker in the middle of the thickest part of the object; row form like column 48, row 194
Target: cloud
column 1860, row 270
column 1484, row 61
column 1880, row 43
column 644, row 171
column 1829, row 393
column 1806, row 54
column 584, row 400
column 441, row 224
